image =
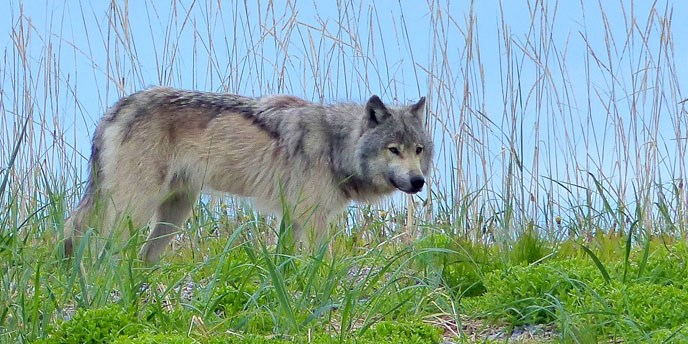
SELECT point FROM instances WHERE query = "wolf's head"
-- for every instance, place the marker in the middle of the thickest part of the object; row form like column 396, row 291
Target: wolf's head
column 395, row 150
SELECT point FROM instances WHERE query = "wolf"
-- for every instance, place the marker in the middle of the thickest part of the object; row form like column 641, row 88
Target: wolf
column 155, row 151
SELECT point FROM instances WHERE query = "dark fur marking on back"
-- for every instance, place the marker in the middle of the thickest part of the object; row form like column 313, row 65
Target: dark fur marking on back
column 299, row 148
column 220, row 103
column 257, row 121
column 209, row 104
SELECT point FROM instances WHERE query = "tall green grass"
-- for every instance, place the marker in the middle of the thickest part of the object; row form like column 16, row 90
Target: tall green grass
column 556, row 140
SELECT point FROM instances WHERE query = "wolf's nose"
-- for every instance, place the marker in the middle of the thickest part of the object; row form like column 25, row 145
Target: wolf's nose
column 417, row 182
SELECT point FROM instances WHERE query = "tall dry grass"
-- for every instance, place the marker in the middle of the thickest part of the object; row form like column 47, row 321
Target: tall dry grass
column 536, row 115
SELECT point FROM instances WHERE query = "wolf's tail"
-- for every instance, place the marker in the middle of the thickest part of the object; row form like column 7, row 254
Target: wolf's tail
column 80, row 217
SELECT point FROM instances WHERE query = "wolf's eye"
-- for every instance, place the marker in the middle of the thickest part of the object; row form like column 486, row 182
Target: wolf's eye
column 419, row 150
column 394, row 150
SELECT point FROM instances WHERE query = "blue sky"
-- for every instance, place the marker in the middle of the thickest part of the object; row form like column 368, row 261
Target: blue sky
column 81, row 24
column 392, row 62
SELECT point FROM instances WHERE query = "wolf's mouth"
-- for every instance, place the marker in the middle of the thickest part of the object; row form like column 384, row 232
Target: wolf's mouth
column 413, row 192
column 391, row 181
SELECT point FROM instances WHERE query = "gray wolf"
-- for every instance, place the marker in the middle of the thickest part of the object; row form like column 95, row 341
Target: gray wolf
column 156, row 150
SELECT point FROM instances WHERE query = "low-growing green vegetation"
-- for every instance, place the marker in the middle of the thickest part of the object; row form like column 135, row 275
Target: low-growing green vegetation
column 212, row 290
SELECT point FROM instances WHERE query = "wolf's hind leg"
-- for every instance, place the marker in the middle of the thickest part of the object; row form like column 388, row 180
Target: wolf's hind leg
column 171, row 215
column 89, row 214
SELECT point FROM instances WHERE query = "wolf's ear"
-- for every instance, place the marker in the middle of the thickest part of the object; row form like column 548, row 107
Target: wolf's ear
column 418, row 109
column 376, row 111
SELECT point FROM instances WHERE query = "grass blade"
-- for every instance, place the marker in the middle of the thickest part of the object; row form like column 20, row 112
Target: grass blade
column 598, row 263
column 13, row 157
